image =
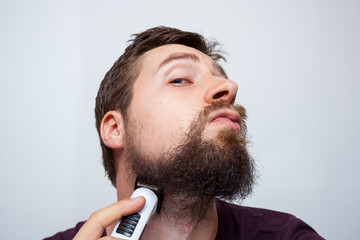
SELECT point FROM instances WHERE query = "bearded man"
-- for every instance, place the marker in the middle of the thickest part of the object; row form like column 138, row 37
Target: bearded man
column 166, row 116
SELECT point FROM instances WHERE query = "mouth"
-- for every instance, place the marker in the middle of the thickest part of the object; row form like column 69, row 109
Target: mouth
column 226, row 117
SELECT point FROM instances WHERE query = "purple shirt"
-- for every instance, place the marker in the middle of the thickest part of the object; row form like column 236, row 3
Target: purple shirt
column 240, row 223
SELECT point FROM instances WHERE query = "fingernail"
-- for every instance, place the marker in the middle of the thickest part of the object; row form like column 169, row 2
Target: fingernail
column 136, row 199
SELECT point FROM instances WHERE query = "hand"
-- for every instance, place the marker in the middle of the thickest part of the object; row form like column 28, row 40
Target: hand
column 99, row 220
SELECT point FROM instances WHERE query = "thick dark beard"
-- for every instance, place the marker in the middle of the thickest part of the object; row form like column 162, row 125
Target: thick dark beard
column 198, row 171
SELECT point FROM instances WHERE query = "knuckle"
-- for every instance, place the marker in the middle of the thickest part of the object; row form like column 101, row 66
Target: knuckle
column 94, row 216
column 96, row 221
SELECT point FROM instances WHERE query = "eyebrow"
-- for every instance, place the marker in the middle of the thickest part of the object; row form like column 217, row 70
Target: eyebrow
column 191, row 57
column 180, row 56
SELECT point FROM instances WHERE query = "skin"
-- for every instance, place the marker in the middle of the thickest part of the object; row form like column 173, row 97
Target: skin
column 174, row 84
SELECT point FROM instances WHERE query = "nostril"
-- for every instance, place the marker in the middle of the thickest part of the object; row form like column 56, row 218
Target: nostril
column 220, row 94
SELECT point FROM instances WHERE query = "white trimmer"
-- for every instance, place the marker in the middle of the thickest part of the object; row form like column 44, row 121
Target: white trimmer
column 131, row 227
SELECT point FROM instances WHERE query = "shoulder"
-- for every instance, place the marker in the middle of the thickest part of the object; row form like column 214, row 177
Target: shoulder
column 67, row 234
column 266, row 216
column 258, row 223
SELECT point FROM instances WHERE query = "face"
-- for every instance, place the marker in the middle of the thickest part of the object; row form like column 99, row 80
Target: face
column 175, row 83
column 184, row 135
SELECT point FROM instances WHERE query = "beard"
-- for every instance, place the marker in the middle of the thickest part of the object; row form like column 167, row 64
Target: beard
column 198, row 171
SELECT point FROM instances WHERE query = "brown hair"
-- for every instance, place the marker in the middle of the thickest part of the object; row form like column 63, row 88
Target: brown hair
column 115, row 90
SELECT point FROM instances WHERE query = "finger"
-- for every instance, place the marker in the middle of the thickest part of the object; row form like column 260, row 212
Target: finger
column 99, row 220
column 109, row 238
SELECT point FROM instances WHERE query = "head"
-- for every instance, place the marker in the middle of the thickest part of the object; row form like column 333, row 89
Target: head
column 116, row 89
column 166, row 109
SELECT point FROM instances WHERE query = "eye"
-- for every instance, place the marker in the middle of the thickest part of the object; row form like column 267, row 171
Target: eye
column 180, row 81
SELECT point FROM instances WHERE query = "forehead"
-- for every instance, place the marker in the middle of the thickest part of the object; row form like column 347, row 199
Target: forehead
column 157, row 57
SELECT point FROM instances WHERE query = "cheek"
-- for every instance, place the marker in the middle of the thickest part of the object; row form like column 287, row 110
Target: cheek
column 160, row 129
column 161, row 122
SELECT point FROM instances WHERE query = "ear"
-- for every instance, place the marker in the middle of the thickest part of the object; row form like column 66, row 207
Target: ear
column 112, row 130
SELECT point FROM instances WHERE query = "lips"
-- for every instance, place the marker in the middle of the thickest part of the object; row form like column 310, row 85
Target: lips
column 226, row 117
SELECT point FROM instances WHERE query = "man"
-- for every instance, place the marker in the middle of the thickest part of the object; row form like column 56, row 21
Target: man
column 166, row 116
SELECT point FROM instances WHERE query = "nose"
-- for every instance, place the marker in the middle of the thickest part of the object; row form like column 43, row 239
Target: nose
column 221, row 89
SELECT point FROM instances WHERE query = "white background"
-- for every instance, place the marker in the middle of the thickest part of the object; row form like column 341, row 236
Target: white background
column 297, row 65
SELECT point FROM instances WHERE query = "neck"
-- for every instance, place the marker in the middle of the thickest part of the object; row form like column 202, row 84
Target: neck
column 164, row 226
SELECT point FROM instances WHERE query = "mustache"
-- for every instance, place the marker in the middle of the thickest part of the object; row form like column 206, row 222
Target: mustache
column 221, row 104
column 203, row 116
